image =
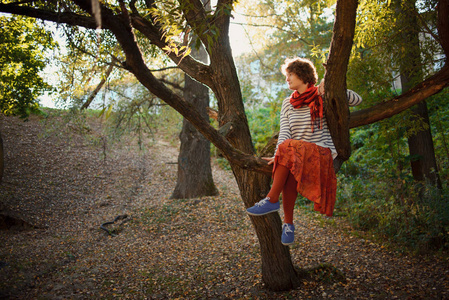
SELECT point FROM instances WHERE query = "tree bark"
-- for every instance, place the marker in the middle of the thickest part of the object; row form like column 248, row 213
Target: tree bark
column 335, row 99
column 194, row 168
column 422, row 153
column 2, row 158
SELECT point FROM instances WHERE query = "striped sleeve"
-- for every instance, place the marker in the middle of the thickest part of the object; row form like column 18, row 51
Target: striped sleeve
column 354, row 99
column 284, row 132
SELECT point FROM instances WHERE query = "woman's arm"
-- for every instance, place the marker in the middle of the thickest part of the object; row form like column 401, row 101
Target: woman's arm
column 284, row 132
column 354, row 99
column 270, row 160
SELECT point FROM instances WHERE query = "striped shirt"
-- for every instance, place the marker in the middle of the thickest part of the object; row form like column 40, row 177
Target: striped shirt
column 296, row 124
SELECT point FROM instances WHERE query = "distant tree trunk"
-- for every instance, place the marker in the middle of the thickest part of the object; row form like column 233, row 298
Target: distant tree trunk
column 194, row 168
column 421, row 148
column 424, row 165
column 2, row 158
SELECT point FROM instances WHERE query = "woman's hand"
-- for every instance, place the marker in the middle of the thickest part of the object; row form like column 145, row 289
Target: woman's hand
column 321, row 88
column 270, row 160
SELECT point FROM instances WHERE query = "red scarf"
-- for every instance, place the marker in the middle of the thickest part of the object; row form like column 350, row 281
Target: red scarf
column 310, row 98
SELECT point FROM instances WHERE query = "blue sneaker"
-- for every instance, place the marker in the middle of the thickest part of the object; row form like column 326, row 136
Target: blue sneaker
column 263, row 207
column 288, row 234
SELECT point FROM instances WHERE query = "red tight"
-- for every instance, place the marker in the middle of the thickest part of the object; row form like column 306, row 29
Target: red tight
column 285, row 182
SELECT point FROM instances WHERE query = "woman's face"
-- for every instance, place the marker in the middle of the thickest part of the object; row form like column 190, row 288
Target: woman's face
column 295, row 83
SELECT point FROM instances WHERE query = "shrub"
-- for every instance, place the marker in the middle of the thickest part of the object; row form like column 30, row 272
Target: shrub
column 405, row 213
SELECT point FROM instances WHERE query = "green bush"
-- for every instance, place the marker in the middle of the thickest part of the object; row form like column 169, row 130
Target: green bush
column 263, row 123
column 407, row 214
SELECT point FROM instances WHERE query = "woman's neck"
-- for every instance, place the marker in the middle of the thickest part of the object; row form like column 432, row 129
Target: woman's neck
column 302, row 89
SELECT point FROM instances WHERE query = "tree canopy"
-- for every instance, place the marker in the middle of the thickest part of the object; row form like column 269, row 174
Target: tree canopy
column 23, row 42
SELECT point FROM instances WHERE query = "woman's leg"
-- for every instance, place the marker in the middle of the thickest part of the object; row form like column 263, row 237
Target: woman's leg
column 279, row 180
column 271, row 203
column 289, row 195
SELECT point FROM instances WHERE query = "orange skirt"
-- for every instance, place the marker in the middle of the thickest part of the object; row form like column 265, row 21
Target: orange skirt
column 313, row 168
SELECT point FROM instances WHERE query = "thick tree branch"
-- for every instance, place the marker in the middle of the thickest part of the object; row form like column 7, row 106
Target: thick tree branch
column 188, row 64
column 336, row 104
column 69, row 18
column 135, row 63
column 222, row 18
column 422, row 91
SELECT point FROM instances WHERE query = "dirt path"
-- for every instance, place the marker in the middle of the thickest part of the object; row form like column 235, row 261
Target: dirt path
column 66, row 187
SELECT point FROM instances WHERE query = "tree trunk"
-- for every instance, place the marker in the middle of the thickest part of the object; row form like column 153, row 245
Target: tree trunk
column 278, row 272
column 2, row 158
column 194, row 168
column 422, row 153
column 335, row 100
column 424, row 165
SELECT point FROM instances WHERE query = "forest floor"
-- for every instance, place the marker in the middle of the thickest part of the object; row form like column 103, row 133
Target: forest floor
column 64, row 185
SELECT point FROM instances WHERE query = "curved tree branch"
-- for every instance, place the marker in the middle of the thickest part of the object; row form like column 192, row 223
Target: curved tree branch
column 69, row 18
column 420, row 92
column 188, row 64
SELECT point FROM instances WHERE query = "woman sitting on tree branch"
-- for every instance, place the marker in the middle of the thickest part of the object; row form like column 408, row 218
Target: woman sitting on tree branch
column 303, row 161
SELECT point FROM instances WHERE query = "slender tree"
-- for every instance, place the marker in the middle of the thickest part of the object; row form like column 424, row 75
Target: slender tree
column 98, row 87
column 422, row 152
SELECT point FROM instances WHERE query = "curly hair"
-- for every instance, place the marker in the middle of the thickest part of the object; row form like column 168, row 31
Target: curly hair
column 302, row 67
